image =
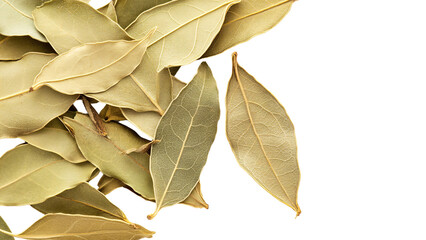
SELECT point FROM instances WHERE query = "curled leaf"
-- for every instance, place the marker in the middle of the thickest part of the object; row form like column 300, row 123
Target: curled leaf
column 14, row 48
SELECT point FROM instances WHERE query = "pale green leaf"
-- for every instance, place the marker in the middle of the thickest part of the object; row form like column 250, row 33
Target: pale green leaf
column 29, row 175
column 54, row 137
column 72, row 227
column 262, row 136
column 83, row 199
column 129, row 10
column 186, row 133
column 16, row 19
column 23, row 111
column 109, row 153
column 4, row 227
column 92, row 67
column 248, row 19
column 13, row 48
column 70, row 23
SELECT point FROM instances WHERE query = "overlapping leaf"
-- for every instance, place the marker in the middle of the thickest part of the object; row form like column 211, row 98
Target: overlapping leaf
column 109, row 153
column 29, row 175
column 13, row 48
column 186, row 133
column 83, row 199
column 262, row 136
column 70, row 23
column 4, row 227
column 23, row 111
column 129, row 10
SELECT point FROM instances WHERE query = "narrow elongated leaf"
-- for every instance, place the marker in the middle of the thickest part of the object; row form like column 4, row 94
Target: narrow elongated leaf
column 201, row 20
column 21, row 111
column 71, row 227
column 147, row 121
column 16, row 19
column 129, row 10
column 70, row 23
column 248, row 19
column 44, row 175
column 186, row 133
column 109, row 153
column 83, row 199
column 4, row 227
column 56, row 138
column 92, row 67
column 262, row 136
column 13, row 48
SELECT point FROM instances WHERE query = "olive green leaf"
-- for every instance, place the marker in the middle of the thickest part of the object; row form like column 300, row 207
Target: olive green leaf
column 109, row 153
column 29, row 175
column 246, row 20
column 23, row 111
column 4, row 227
column 109, row 11
column 186, row 133
column 201, row 20
column 108, row 184
column 144, row 148
column 129, row 10
column 92, row 67
column 83, row 199
column 196, row 199
column 147, row 121
column 110, row 113
column 262, row 136
column 54, row 137
column 94, row 116
column 129, row 93
column 16, row 19
column 70, row 227
column 69, row 23
column 13, row 48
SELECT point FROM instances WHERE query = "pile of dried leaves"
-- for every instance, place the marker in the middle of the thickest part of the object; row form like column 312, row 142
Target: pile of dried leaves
column 125, row 54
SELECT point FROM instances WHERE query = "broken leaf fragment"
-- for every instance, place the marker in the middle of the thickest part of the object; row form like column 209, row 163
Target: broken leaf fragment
column 186, row 133
column 262, row 136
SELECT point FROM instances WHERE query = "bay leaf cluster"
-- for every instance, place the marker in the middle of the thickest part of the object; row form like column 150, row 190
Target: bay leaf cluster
column 125, row 55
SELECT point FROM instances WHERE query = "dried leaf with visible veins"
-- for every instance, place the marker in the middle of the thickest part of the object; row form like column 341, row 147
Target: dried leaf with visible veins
column 262, row 137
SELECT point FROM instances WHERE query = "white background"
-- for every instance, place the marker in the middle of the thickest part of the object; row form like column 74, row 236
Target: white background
column 352, row 76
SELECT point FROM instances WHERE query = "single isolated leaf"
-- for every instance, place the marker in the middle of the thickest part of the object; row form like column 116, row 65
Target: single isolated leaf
column 29, row 175
column 129, row 10
column 147, row 121
column 16, row 19
column 70, row 23
column 13, row 48
column 109, row 11
column 23, row 111
column 54, row 137
column 4, row 227
column 108, row 184
column 92, row 67
column 262, row 136
column 186, row 133
column 110, row 113
column 71, row 227
column 83, row 199
column 198, row 22
column 248, row 19
column 109, row 153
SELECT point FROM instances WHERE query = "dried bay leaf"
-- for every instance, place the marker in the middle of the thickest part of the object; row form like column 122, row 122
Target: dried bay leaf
column 54, row 137
column 36, row 108
column 174, row 20
column 92, row 67
column 4, row 227
column 196, row 199
column 109, row 153
column 29, row 175
column 246, row 20
column 262, row 137
column 13, row 48
column 186, row 132
column 109, row 11
column 71, row 227
column 108, row 184
column 110, row 113
column 75, row 23
column 83, row 199
column 16, row 19
column 129, row 10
